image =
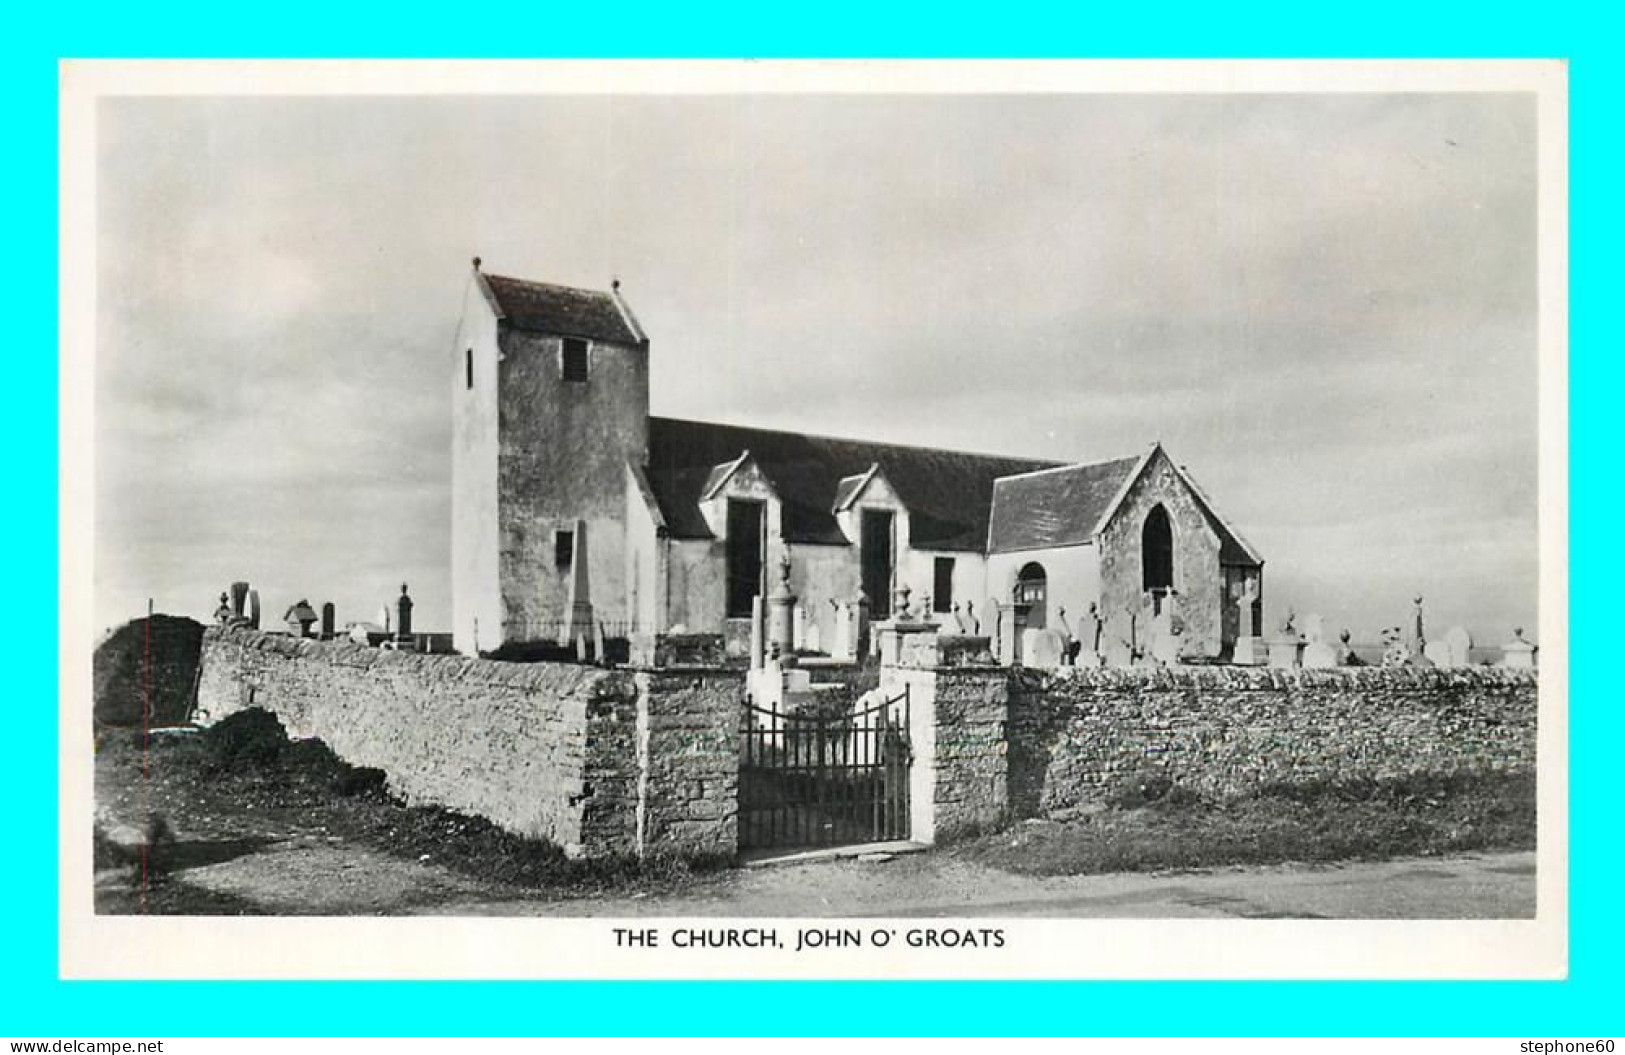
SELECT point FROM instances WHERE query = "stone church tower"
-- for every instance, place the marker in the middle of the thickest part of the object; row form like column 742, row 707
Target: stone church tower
column 550, row 404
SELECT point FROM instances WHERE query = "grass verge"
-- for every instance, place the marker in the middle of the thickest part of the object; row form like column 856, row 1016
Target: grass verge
column 1420, row 816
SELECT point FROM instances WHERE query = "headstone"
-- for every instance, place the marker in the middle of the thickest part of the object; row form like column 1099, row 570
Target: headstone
column 1319, row 654
column 1518, row 653
column 581, row 648
column 1248, row 650
column 598, row 641
column 780, row 621
column 1286, row 647
column 1461, row 646
column 814, row 641
column 758, row 643
column 1395, row 653
column 300, row 617
column 1042, row 649
column 358, row 634
column 1346, row 656
column 254, row 609
column 329, row 621
column 860, row 627
column 403, row 616
column 383, row 617
column 579, row 617
column 842, row 645
column 798, row 627
column 239, row 594
column 1437, row 653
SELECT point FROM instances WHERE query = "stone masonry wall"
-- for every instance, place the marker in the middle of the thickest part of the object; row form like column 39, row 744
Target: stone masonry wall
column 1197, row 575
column 688, row 755
column 1225, row 731
column 972, row 760
column 551, row 751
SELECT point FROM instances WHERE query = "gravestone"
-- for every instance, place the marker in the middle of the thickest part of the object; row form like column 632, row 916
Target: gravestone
column 598, row 642
column 1395, row 653
column 1518, row 653
column 758, row 642
column 1346, row 656
column 1042, row 649
column 403, row 615
column 254, row 609
column 798, row 628
column 329, row 621
column 239, row 595
column 1249, row 647
column 1461, row 646
column 1437, row 653
column 814, row 641
column 1318, row 655
column 841, row 647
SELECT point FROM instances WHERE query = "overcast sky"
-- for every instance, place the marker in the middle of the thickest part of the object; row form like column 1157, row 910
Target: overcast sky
column 1323, row 306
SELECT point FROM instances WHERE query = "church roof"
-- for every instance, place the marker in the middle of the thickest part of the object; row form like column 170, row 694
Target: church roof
column 1067, row 505
column 545, row 308
column 1055, row 507
column 948, row 493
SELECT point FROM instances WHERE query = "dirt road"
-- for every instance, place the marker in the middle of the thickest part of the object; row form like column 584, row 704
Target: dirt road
column 1488, row 886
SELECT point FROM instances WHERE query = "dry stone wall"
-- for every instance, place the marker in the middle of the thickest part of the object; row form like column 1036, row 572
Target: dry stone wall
column 551, row 751
column 1225, row 731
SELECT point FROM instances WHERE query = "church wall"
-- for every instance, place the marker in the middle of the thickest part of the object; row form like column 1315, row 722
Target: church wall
column 1198, row 579
column 970, row 578
column 819, row 575
column 476, row 593
column 564, row 449
column 696, row 585
column 645, row 557
column 1072, row 580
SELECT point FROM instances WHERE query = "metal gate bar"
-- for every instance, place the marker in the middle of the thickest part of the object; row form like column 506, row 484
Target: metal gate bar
column 820, row 780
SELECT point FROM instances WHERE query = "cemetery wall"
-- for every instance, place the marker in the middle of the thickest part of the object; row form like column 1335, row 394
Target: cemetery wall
column 599, row 762
column 1226, row 731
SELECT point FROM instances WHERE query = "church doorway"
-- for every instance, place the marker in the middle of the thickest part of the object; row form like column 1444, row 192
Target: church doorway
column 746, row 522
column 876, row 556
column 1032, row 588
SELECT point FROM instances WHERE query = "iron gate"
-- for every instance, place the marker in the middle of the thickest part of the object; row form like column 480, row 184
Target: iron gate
column 808, row 781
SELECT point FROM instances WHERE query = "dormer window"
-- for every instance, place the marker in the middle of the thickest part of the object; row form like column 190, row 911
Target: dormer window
column 575, row 359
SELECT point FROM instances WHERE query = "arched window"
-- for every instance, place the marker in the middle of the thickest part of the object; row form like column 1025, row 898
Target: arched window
column 1031, row 587
column 1157, row 550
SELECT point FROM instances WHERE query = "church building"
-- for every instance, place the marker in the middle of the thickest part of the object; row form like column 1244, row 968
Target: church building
column 569, row 498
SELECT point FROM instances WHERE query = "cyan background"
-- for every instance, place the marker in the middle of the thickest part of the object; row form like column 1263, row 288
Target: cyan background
column 33, row 1002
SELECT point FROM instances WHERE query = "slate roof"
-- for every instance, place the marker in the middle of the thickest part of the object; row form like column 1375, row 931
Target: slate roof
column 1059, row 507
column 948, row 493
column 545, row 308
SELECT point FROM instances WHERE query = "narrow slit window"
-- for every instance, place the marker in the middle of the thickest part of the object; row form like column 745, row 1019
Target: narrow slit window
column 564, row 550
column 575, row 359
